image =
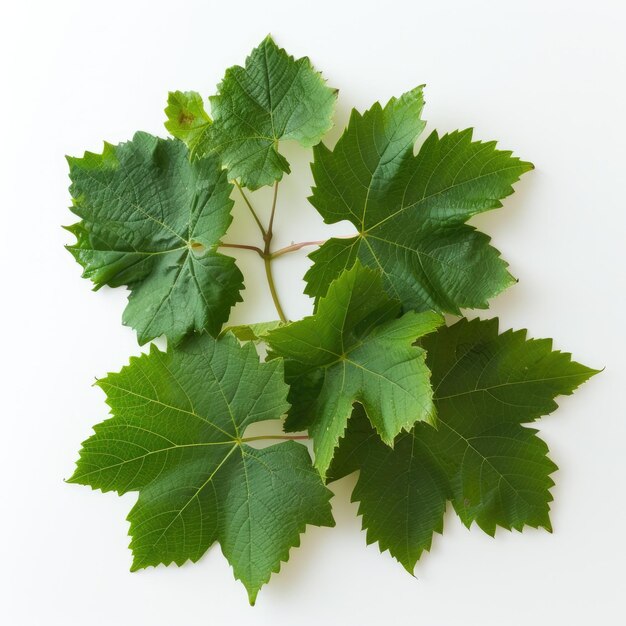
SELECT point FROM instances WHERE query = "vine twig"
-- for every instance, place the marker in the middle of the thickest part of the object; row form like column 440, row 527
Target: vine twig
column 252, row 211
column 267, row 258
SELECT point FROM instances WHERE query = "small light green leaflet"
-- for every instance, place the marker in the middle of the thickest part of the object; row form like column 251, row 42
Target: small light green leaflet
column 253, row 332
column 494, row 470
column 355, row 349
column 274, row 98
column 188, row 121
column 411, row 211
column 177, row 436
column 152, row 220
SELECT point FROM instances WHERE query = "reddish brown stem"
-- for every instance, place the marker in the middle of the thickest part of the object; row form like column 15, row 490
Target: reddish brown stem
column 242, row 246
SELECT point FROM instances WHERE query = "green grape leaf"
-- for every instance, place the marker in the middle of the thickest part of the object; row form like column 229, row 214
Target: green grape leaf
column 188, row 121
column 151, row 220
column 177, row 436
column 274, row 98
column 494, row 470
column 355, row 349
column 253, row 332
column 411, row 210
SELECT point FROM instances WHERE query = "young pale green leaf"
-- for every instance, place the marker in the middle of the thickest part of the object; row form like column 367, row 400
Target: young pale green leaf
column 253, row 332
column 188, row 121
column 177, row 437
column 411, row 211
column 152, row 220
column 273, row 98
column 355, row 349
column 495, row 471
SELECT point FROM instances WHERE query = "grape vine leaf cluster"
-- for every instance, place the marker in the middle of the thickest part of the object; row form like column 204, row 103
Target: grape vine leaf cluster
column 426, row 413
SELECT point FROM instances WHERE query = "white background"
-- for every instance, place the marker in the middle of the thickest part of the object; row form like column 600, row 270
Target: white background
column 544, row 78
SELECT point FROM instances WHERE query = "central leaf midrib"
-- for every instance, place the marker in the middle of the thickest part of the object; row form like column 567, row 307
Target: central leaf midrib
column 168, row 406
column 508, row 384
column 159, row 451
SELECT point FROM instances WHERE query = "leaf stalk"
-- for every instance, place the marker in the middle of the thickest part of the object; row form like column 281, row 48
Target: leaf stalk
column 242, row 246
column 251, row 209
column 296, row 246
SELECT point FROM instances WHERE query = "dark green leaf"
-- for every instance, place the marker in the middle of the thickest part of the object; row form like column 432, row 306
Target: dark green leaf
column 411, row 211
column 152, row 220
column 495, row 471
column 177, row 436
